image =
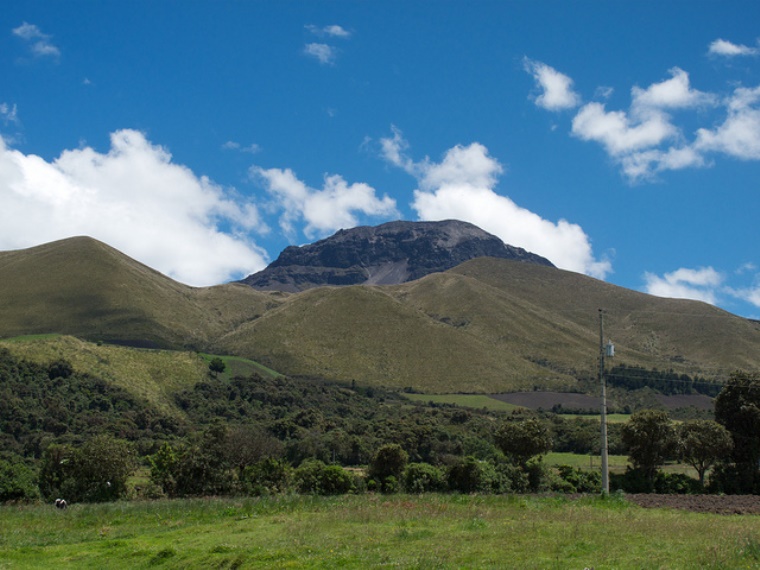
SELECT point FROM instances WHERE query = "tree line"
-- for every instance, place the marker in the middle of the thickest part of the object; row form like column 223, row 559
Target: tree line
column 70, row 434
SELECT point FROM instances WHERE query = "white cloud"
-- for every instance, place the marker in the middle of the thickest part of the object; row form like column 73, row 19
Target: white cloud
column 674, row 93
column 461, row 187
column 701, row 284
column 739, row 135
column 9, row 114
column 729, row 49
column 557, row 88
column 645, row 140
column 323, row 53
column 39, row 43
column 333, row 30
column 750, row 295
column 617, row 132
column 135, row 199
column 333, row 207
column 252, row 148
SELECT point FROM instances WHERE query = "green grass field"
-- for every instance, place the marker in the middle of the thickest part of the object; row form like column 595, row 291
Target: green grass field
column 402, row 531
column 616, row 462
column 611, row 418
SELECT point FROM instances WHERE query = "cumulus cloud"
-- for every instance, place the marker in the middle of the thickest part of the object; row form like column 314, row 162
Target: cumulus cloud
column 739, row 134
column 335, row 206
column 135, row 199
column 645, row 139
column 618, row 132
column 556, row 88
column 729, row 49
column 461, row 186
column 323, row 53
column 701, row 284
column 40, row 44
column 708, row 285
column 673, row 93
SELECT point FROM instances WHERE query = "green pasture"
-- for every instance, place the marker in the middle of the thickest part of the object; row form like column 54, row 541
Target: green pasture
column 375, row 531
column 611, row 418
column 237, row 366
column 589, row 462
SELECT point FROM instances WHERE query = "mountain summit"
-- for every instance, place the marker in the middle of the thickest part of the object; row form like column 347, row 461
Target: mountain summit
column 388, row 254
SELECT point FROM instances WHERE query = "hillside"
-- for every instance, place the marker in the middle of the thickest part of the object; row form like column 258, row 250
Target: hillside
column 82, row 287
column 487, row 325
column 491, row 325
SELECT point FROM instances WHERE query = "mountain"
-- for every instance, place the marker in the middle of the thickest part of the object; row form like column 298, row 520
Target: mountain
column 486, row 325
column 83, row 287
column 389, row 254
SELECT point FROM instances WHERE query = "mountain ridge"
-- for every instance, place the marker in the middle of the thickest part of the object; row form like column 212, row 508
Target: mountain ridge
column 388, row 254
column 488, row 325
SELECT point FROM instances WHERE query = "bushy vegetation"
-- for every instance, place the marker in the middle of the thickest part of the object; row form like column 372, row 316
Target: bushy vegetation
column 665, row 382
column 77, row 436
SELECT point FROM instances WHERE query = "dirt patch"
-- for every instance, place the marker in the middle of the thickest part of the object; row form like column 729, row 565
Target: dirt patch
column 699, row 401
column 719, row 504
column 572, row 401
column 547, row 400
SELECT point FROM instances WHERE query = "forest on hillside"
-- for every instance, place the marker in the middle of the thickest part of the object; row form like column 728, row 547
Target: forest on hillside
column 63, row 432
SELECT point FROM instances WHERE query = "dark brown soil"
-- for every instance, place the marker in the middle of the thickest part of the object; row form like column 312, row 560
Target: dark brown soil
column 572, row 401
column 546, row 400
column 720, row 504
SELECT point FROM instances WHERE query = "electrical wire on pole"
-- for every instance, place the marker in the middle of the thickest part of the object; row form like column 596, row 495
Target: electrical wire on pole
column 604, row 446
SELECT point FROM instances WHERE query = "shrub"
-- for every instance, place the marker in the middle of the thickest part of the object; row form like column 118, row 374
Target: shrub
column 423, row 478
column 579, row 480
column 639, row 481
column 94, row 472
column 314, row 477
column 389, row 460
column 17, row 482
column 470, row 475
column 269, row 476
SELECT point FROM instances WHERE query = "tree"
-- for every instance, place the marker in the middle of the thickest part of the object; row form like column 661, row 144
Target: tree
column 470, row 475
column 389, row 461
column 314, row 477
column 523, row 439
column 650, row 439
column 737, row 408
column 17, row 481
column 249, row 444
column 702, row 444
column 101, row 468
column 423, row 478
column 216, row 366
column 94, row 472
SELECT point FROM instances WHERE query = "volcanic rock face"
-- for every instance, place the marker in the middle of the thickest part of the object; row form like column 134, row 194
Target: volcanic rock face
column 388, row 254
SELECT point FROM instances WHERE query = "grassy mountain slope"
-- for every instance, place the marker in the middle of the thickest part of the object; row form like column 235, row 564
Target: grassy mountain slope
column 488, row 325
column 154, row 376
column 366, row 334
column 652, row 331
column 82, row 287
column 151, row 375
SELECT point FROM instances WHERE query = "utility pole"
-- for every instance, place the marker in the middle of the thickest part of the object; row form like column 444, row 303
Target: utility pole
column 605, row 459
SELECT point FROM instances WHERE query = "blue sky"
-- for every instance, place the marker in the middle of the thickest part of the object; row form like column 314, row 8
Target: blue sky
column 618, row 139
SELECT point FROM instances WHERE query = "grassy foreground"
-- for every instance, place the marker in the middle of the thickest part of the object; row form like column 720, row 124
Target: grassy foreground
column 434, row 531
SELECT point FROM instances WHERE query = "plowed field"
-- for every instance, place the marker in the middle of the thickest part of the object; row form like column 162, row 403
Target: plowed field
column 720, row 504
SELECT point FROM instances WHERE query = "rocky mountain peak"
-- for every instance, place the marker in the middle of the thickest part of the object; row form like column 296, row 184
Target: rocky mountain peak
column 388, row 254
